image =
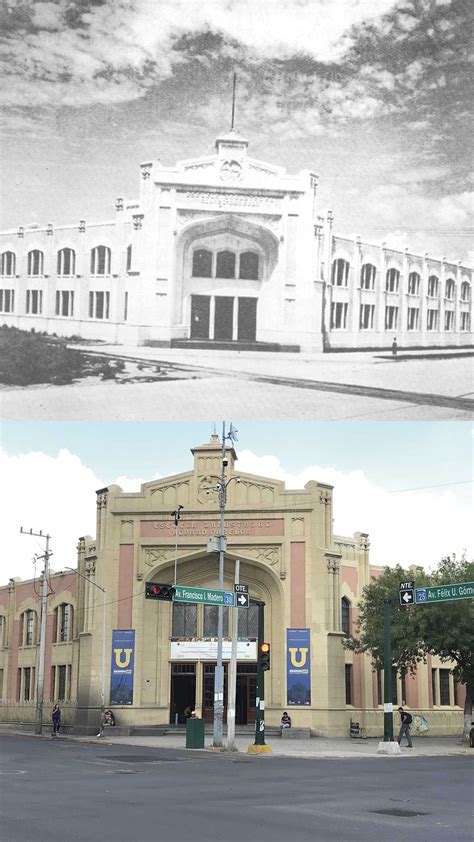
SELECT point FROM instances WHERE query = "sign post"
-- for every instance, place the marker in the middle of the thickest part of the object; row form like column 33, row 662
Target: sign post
column 387, row 674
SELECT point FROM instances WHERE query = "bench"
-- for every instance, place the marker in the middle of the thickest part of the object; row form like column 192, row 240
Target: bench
column 295, row 733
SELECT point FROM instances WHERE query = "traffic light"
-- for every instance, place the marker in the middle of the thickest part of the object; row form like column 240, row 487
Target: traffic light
column 264, row 656
column 153, row 590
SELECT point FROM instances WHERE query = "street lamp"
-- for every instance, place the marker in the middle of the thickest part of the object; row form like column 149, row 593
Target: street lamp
column 221, row 488
column 102, row 692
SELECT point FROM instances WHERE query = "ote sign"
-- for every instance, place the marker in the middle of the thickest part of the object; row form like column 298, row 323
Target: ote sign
column 242, row 600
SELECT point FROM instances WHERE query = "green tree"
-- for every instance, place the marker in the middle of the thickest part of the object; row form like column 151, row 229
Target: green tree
column 444, row 629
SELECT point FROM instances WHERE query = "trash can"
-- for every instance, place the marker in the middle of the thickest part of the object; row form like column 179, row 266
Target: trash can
column 194, row 733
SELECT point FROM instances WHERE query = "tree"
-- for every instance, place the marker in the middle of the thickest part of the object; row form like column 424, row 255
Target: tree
column 445, row 629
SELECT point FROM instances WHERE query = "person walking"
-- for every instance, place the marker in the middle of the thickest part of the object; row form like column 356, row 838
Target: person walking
column 406, row 719
column 56, row 719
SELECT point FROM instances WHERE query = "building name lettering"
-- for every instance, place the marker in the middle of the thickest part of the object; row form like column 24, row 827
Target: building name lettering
column 198, row 528
column 225, row 199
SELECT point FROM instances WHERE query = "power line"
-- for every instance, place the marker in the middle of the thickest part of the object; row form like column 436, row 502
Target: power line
column 437, row 485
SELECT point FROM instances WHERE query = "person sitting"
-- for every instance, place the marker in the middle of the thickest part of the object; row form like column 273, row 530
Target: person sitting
column 285, row 721
column 109, row 718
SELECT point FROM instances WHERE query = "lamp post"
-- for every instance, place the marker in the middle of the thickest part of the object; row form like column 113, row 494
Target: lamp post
column 219, row 674
column 102, row 691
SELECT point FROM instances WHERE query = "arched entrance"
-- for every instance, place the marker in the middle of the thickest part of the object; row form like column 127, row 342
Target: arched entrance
column 222, row 264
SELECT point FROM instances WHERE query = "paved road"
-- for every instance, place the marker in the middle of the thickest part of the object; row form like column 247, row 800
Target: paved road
column 63, row 790
column 255, row 386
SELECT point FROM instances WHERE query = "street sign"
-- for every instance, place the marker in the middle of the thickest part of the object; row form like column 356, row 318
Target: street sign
column 407, row 597
column 241, row 588
column 242, row 600
column 407, row 586
column 443, row 593
column 207, row 596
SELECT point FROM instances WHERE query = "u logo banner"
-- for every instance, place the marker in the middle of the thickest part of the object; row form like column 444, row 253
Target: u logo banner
column 298, row 667
column 123, row 661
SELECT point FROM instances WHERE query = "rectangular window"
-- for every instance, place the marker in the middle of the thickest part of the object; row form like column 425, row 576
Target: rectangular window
column 432, row 320
column 394, row 686
column 184, row 620
column 125, row 307
column 391, row 318
column 379, row 686
column 210, row 621
column 434, row 688
column 30, row 620
column 449, row 320
column 18, row 685
column 367, row 312
column 53, row 683
column 456, row 692
column 99, row 305
column 465, row 321
column 62, row 676
column 348, row 678
column 248, row 622
column 34, row 301
column 433, row 286
column 338, row 315
column 444, row 694
column 27, row 684
column 1, row 684
column 64, row 303
column 403, row 676
column 7, row 300
column 412, row 318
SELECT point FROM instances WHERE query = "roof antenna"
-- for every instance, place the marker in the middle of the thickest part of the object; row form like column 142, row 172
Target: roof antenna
column 233, row 102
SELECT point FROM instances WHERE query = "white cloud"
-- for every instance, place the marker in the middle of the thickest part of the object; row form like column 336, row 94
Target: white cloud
column 411, row 528
column 126, row 47
column 57, row 494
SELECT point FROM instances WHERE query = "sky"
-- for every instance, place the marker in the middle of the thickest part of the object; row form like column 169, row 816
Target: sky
column 372, row 94
column 409, row 485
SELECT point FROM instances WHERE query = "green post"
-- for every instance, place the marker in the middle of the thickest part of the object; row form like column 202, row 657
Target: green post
column 387, row 674
column 260, row 715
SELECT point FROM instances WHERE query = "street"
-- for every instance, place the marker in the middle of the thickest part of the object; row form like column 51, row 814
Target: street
column 55, row 790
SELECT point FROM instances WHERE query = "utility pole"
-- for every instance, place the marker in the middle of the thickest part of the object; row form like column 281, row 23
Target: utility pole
column 233, row 670
column 387, row 674
column 260, row 713
column 43, row 613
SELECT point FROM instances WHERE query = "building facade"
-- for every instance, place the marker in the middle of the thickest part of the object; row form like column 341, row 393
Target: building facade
column 228, row 249
column 160, row 656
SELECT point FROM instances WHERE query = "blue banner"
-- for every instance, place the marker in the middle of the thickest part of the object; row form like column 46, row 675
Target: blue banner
column 298, row 667
column 123, row 661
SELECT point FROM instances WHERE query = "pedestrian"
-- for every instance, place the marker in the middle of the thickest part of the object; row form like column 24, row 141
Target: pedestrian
column 394, row 347
column 56, row 719
column 406, row 719
column 285, row 720
column 187, row 711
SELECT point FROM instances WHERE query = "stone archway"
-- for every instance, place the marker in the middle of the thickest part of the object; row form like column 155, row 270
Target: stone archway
column 222, row 305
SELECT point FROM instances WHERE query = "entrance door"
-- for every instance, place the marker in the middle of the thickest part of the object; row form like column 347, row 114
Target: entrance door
column 247, row 326
column 224, row 317
column 200, row 307
column 183, row 691
column 246, row 692
column 208, row 693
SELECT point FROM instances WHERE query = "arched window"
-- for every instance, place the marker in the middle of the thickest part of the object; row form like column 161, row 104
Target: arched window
column 413, row 283
column 7, row 263
column 433, row 286
column 100, row 260
column 28, row 628
column 367, row 276
column 210, row 620
column 465, row 291
column 66, row 262
column 129, row 258
column 248, row 622
column 248, row 266
column 345, row 615
column 35, row 262
column 392, row 280
column 450, row 286
column 340, row 272
column 3, row 631
column 184, row 620
column 62, row 629
column 202, row 263
column 225, row 264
